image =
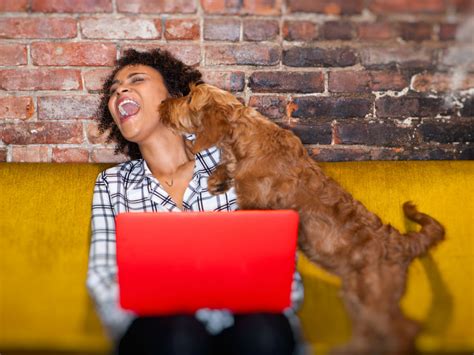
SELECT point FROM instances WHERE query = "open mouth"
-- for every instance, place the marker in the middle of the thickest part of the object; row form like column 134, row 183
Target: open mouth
column 127, row 108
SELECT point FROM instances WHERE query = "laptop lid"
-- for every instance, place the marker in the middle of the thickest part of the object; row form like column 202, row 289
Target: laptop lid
column 176, row 262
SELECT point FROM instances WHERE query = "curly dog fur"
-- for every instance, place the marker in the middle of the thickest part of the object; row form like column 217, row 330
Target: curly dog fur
column 271, row 169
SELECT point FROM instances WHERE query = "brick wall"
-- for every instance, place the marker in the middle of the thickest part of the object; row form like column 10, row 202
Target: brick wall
column 355, row 79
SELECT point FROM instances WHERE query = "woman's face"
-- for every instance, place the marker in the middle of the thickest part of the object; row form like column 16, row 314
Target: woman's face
column 135, row 94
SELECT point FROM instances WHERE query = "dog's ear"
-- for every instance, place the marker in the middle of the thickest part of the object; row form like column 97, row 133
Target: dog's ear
column 198, row 97
column 214, row 127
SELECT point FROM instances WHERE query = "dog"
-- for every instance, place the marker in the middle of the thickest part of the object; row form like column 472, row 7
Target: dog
column 270, row 169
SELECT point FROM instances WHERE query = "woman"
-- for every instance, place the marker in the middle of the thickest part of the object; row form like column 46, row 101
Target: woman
column 164, row 176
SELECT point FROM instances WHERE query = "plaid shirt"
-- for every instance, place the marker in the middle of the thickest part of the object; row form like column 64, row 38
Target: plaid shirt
column 131, row 187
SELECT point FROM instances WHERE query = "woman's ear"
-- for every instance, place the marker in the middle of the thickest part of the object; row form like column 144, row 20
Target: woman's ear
column 214, row 127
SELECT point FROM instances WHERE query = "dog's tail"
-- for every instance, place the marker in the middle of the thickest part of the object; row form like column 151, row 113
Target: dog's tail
column 430, row 234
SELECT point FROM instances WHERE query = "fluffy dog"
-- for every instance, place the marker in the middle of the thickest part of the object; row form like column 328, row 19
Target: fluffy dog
column 271, row 169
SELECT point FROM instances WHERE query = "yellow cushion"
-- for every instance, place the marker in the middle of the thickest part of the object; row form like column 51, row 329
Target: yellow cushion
column 44, row 236
column 44, row 229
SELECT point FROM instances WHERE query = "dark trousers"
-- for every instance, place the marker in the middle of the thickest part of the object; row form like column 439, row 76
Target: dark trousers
column 256, row 334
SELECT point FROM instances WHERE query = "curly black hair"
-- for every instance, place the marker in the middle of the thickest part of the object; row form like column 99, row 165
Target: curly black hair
column 177, row 77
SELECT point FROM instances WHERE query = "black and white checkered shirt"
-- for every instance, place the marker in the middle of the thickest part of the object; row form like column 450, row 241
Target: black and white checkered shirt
column 131, row 187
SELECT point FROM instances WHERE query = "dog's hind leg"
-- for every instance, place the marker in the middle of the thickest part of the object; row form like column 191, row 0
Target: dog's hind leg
column 372, row 302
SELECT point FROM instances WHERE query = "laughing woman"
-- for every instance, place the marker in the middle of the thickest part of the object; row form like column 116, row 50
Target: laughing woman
column 164, row 176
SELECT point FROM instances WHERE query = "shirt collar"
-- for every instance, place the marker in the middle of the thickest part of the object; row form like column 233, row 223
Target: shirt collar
column 141, row 173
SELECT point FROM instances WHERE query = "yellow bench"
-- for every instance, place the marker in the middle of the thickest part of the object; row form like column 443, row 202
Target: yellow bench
column 44, row 237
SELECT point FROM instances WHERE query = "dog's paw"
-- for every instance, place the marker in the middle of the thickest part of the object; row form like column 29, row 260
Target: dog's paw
column 217, row 187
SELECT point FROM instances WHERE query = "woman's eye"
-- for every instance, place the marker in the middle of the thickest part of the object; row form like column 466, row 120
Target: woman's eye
column 136, row 79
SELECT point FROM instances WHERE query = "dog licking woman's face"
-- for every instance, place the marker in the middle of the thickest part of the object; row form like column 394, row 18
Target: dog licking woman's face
column 178, row 115
column 205, row 111
column 134, row 95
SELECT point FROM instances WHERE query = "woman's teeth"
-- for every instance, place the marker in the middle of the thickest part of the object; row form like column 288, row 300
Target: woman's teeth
column 128, row 108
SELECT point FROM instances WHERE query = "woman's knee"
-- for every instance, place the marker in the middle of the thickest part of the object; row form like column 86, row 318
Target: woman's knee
column 263, row 334
column 165, row 335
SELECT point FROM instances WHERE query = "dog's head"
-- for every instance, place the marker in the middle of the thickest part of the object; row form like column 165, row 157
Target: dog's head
column 205, row 111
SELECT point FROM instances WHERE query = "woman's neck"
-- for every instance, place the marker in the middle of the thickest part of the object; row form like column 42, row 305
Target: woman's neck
column 165, row 154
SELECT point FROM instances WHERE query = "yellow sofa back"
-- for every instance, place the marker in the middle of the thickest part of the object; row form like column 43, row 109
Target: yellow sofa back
column 44, row 236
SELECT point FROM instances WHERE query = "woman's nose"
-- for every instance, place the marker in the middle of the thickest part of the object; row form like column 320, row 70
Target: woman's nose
column 122, row 90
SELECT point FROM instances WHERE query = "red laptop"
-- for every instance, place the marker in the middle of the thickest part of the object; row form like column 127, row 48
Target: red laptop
column 178, row 262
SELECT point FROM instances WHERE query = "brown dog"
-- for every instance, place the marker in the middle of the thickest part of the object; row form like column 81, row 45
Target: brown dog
column 270, row 169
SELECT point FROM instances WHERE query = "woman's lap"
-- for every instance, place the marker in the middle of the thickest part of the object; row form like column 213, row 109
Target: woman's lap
column 260, row 333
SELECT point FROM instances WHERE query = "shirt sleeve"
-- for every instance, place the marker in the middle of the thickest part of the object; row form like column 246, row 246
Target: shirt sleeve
column 102, row 268
column 297, row 292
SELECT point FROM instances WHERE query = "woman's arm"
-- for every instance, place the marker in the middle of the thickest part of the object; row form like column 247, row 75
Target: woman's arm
column 102, row 269
column 297, row 292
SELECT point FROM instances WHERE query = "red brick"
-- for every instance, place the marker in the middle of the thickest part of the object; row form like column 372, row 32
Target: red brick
column 335, row 153
column 262, row 7
column 13, row 107
column 67, row 107
column 301, row 82
column 37, row 27
column 156, row 6
column 94, row 78
column 349, row 81
column 463, row 6
column 404, row 56
column 334, row 30
column 319, row 57
column 24, row 133
column 222, row 29
column 120, row 28
column 467, row 109
column 407, row 6
column 253, row 7
column 447, row 31
column 231, row 81
column 70, row 155
column 260, row 30
column 182, row 29
column 30, row 154
column 375, row 31
column 416, row 31
column 40, row 79
column 441, row 82
column 459, row 130
column 219, row 6
column 13, row 54
column 388, row 80
column 73, row 53
column 363, row 81
column 313, row 132
column 72, row 6
column 3, row 155
column 107, row 155
column 93, row 134
column 273, row 107
column 243, row 54
column 374, row 133
column 410, row 106
column 330, row 7
column 13, row 5
column 189, row 54
column 299, row 31
column 329, row 107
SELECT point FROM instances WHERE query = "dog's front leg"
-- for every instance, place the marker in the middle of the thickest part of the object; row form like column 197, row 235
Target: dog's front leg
column 220, row 180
